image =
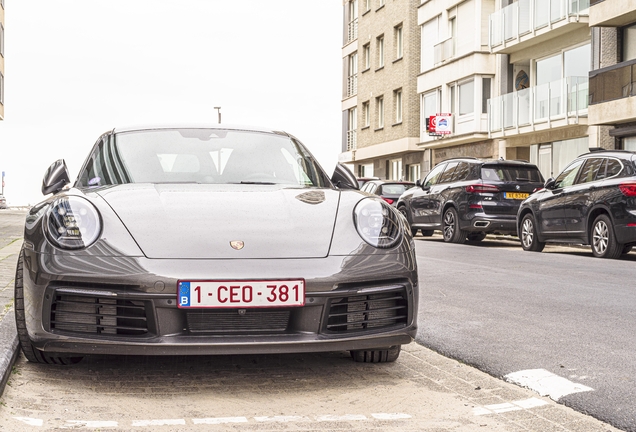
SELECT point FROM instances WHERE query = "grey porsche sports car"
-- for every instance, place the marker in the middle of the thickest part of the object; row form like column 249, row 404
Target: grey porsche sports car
column 211, row 240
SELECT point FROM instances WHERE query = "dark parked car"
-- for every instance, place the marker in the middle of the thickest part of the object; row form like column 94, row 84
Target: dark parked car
column 592, row 202
column 211, row 240
column 388, row 190
column 467, row 198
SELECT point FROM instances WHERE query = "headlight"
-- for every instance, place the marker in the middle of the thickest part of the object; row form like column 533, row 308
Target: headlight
column 72, row 223
column 377, row 223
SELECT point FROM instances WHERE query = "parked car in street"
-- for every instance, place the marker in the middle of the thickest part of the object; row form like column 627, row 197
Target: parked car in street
column 3, row 202
column 592, row 202
column 388, row 190
column 211, row 240
column 468, row 198
column 363, row 180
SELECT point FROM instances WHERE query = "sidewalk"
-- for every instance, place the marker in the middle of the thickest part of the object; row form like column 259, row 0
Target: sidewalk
column 8, row 336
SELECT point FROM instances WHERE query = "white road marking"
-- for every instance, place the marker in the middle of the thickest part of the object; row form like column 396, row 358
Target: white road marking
column 220, row 420
column 546, row 383
column 30, row 421
column 166, row 422
column 348, row 417
column 282, row 419
column 390, row 416
column 509, row 406
column 89, row 424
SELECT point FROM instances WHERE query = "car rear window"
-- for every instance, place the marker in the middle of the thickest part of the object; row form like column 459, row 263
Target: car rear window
column 511, row 173
column 394, row 189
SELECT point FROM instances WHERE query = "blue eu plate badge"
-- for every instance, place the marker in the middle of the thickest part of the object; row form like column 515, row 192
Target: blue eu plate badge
column 184, row 294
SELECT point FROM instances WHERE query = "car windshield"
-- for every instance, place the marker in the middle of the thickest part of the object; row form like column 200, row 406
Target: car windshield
column 511, row 173
column 394, row 189
column 211, row 156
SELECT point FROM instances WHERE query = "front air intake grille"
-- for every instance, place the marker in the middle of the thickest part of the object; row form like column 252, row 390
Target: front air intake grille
column 97, row 315
column 238, row 321
column 368, row 312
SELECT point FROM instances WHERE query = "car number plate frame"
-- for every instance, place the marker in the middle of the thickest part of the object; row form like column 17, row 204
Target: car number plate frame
column 516, row 195
column 240, row 294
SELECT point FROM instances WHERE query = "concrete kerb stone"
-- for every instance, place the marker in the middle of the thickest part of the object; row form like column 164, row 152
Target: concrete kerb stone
column 8, row 347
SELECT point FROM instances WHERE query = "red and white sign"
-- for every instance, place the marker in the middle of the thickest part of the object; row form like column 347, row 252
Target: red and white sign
column 440, row 124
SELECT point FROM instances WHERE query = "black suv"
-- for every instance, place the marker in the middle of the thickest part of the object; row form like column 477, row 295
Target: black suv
column 592, row 202
column 467, row 198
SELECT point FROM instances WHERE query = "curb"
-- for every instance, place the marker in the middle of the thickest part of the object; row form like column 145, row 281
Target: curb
column 8, row 347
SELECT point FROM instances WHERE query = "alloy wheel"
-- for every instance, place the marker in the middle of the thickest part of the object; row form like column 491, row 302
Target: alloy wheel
column 527, row 233
column 600, row 237
column 449, row 225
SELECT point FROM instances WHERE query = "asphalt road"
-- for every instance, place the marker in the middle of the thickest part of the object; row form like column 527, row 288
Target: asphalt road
column 503, row 310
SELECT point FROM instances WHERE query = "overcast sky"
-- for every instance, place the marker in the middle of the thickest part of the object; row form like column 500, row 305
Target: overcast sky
column 77, row 68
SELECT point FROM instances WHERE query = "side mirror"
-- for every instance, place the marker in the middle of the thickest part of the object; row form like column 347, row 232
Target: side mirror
column 55, row 177
column 343, row 178
column 418, row 183
column 549, row 184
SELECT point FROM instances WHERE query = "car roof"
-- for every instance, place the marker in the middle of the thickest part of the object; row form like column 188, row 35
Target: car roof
column 134, row 128
column 476, row 161
column 616, row 153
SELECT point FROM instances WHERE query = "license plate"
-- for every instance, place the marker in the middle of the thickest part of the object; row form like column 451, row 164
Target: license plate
column 241, row 293
column 516, row 195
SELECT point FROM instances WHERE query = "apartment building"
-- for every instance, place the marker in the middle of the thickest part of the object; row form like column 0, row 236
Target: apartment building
column 457, row 76
column 1, row 59
column 613, row 76
column 380, row 105
column 543, row 56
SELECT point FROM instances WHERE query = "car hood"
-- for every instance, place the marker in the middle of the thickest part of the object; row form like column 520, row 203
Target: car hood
column 201, row 221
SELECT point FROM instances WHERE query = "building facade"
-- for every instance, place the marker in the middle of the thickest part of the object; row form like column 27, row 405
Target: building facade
column 613, row 75
column 543, row 56
column 380, row 105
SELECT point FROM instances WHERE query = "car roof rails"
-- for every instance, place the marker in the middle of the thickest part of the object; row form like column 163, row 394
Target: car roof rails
column 459, row 157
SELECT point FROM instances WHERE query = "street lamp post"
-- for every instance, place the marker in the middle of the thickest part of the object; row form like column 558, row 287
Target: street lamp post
column 218, row 110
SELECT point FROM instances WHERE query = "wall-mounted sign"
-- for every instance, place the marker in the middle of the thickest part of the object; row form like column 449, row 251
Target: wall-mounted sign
column 440, row 124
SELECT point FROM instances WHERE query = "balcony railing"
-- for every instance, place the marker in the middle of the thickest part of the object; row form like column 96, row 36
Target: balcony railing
column 525, row 16
column 352, row 30
column 443, row 50
column 352, row 85
column 562, row 99
column 352, row 140
column 613, row 82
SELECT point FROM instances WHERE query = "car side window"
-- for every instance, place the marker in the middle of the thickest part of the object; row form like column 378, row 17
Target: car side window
column 448, row 172
column 567, row 177
column 461, row 172
column 433, row 176
column 590, row 170
column 614, row 167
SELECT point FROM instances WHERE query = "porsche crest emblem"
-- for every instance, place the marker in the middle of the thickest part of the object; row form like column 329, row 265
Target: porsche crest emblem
column 237, row 244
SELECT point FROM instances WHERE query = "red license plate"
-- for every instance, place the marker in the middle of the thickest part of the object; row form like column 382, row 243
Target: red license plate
column 241, row 293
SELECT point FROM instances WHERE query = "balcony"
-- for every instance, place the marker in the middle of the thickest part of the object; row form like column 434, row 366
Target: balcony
column 527, row 22
column 612, row 13
column 352, row 30
column 562, row 101
column 611, row 92
column 443, row 51
column 352, row 140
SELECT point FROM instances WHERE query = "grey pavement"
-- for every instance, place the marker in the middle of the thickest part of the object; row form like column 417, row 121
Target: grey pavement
column 442, row 394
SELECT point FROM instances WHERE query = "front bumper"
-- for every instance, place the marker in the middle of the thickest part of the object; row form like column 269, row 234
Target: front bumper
column 115, row 305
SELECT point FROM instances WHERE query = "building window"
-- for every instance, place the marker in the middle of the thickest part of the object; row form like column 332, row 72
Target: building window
column 1, row 88
column 415, row 171
column 380, row 43
column 351, row 132
column 352, row 78
column 366, row 52
column 430, row 105
column 395, row 169
column 1, row 40
column 399, row 42
column 485, row 94
column 352, row 28
column 381, row 3
column 379, row 102
column 397, row 95
column 429, row 38
column 467, row 97
column 629, row 43
column 366, row 115
column 629, row 143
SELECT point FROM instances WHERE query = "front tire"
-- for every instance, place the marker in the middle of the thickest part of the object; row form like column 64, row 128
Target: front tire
column 604, row 244
column 31, row 353
column 529, row 240
column 386, row 355
column 450, row 227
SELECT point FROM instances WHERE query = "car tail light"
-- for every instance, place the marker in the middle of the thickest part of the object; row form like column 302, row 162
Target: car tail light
column 628, row 189
column 481, row 188
column 389, row 200
column 475, row 206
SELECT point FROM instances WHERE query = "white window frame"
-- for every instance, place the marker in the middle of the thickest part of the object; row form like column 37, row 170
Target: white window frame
column 366, row 52
column 399, row 41
column 380, row 108
column 398, row 105
column 395, row 169
column 380, row 43
column 366, row 114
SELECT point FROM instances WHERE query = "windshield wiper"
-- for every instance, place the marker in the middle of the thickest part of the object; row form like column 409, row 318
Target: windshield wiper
column 257, row 183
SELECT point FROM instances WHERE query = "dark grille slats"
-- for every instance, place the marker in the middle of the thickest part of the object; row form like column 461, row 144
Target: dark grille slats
column 250, row 321
column 371, row 311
